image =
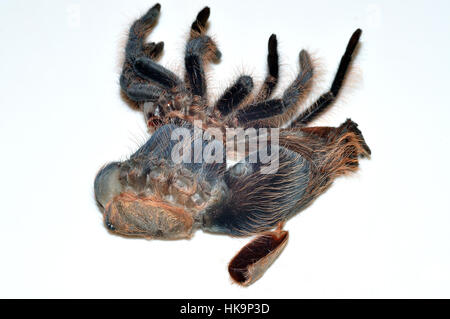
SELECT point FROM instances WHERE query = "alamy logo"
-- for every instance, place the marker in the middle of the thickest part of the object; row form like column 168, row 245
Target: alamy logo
column 206, row 146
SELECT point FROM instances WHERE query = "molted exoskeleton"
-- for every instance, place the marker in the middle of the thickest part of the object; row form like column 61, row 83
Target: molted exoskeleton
column 171, row 186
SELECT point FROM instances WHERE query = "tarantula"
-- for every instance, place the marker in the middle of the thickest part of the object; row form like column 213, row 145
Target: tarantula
column 152, row 195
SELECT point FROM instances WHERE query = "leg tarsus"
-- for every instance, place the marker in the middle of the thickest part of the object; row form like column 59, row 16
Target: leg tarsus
column 199, row 25
column 345, row 62
column 326, row 99
column 295, row 91
column 286, row 105
column 272, row 77
column 138, row 31
column 272, row 57
column 200, row 49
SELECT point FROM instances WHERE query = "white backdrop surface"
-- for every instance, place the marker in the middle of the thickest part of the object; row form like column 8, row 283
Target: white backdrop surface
column 381, row 233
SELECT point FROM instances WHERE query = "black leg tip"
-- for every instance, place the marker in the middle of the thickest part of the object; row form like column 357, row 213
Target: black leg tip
column 159, row 46
column 305, row 60
column 246, row 81
column 353, row 42
column 152, row 49
column 152, row 13
column 272, row 57
column 273, row 43
column 156, row 7
column 303, row 55
column 218, row 55
column 203, row 16
column 200, row 22
column 357, row 34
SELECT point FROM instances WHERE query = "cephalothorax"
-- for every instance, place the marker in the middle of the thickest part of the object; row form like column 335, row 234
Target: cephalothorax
column 154, row 196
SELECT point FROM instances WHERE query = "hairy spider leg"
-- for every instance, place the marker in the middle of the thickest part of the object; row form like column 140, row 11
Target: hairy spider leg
column 326, row 99
column 243, row 86
column 135, row 88
column 137, row 80
column 273, row 66
column 200, row 49
column 235, row 95
column 135, row 46
column 152, row 71
column 287, row 104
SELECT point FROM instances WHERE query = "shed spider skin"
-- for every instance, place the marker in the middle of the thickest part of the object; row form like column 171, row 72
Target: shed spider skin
column 153, row 196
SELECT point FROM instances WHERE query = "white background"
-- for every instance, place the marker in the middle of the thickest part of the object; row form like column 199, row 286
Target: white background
column 382, row 233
